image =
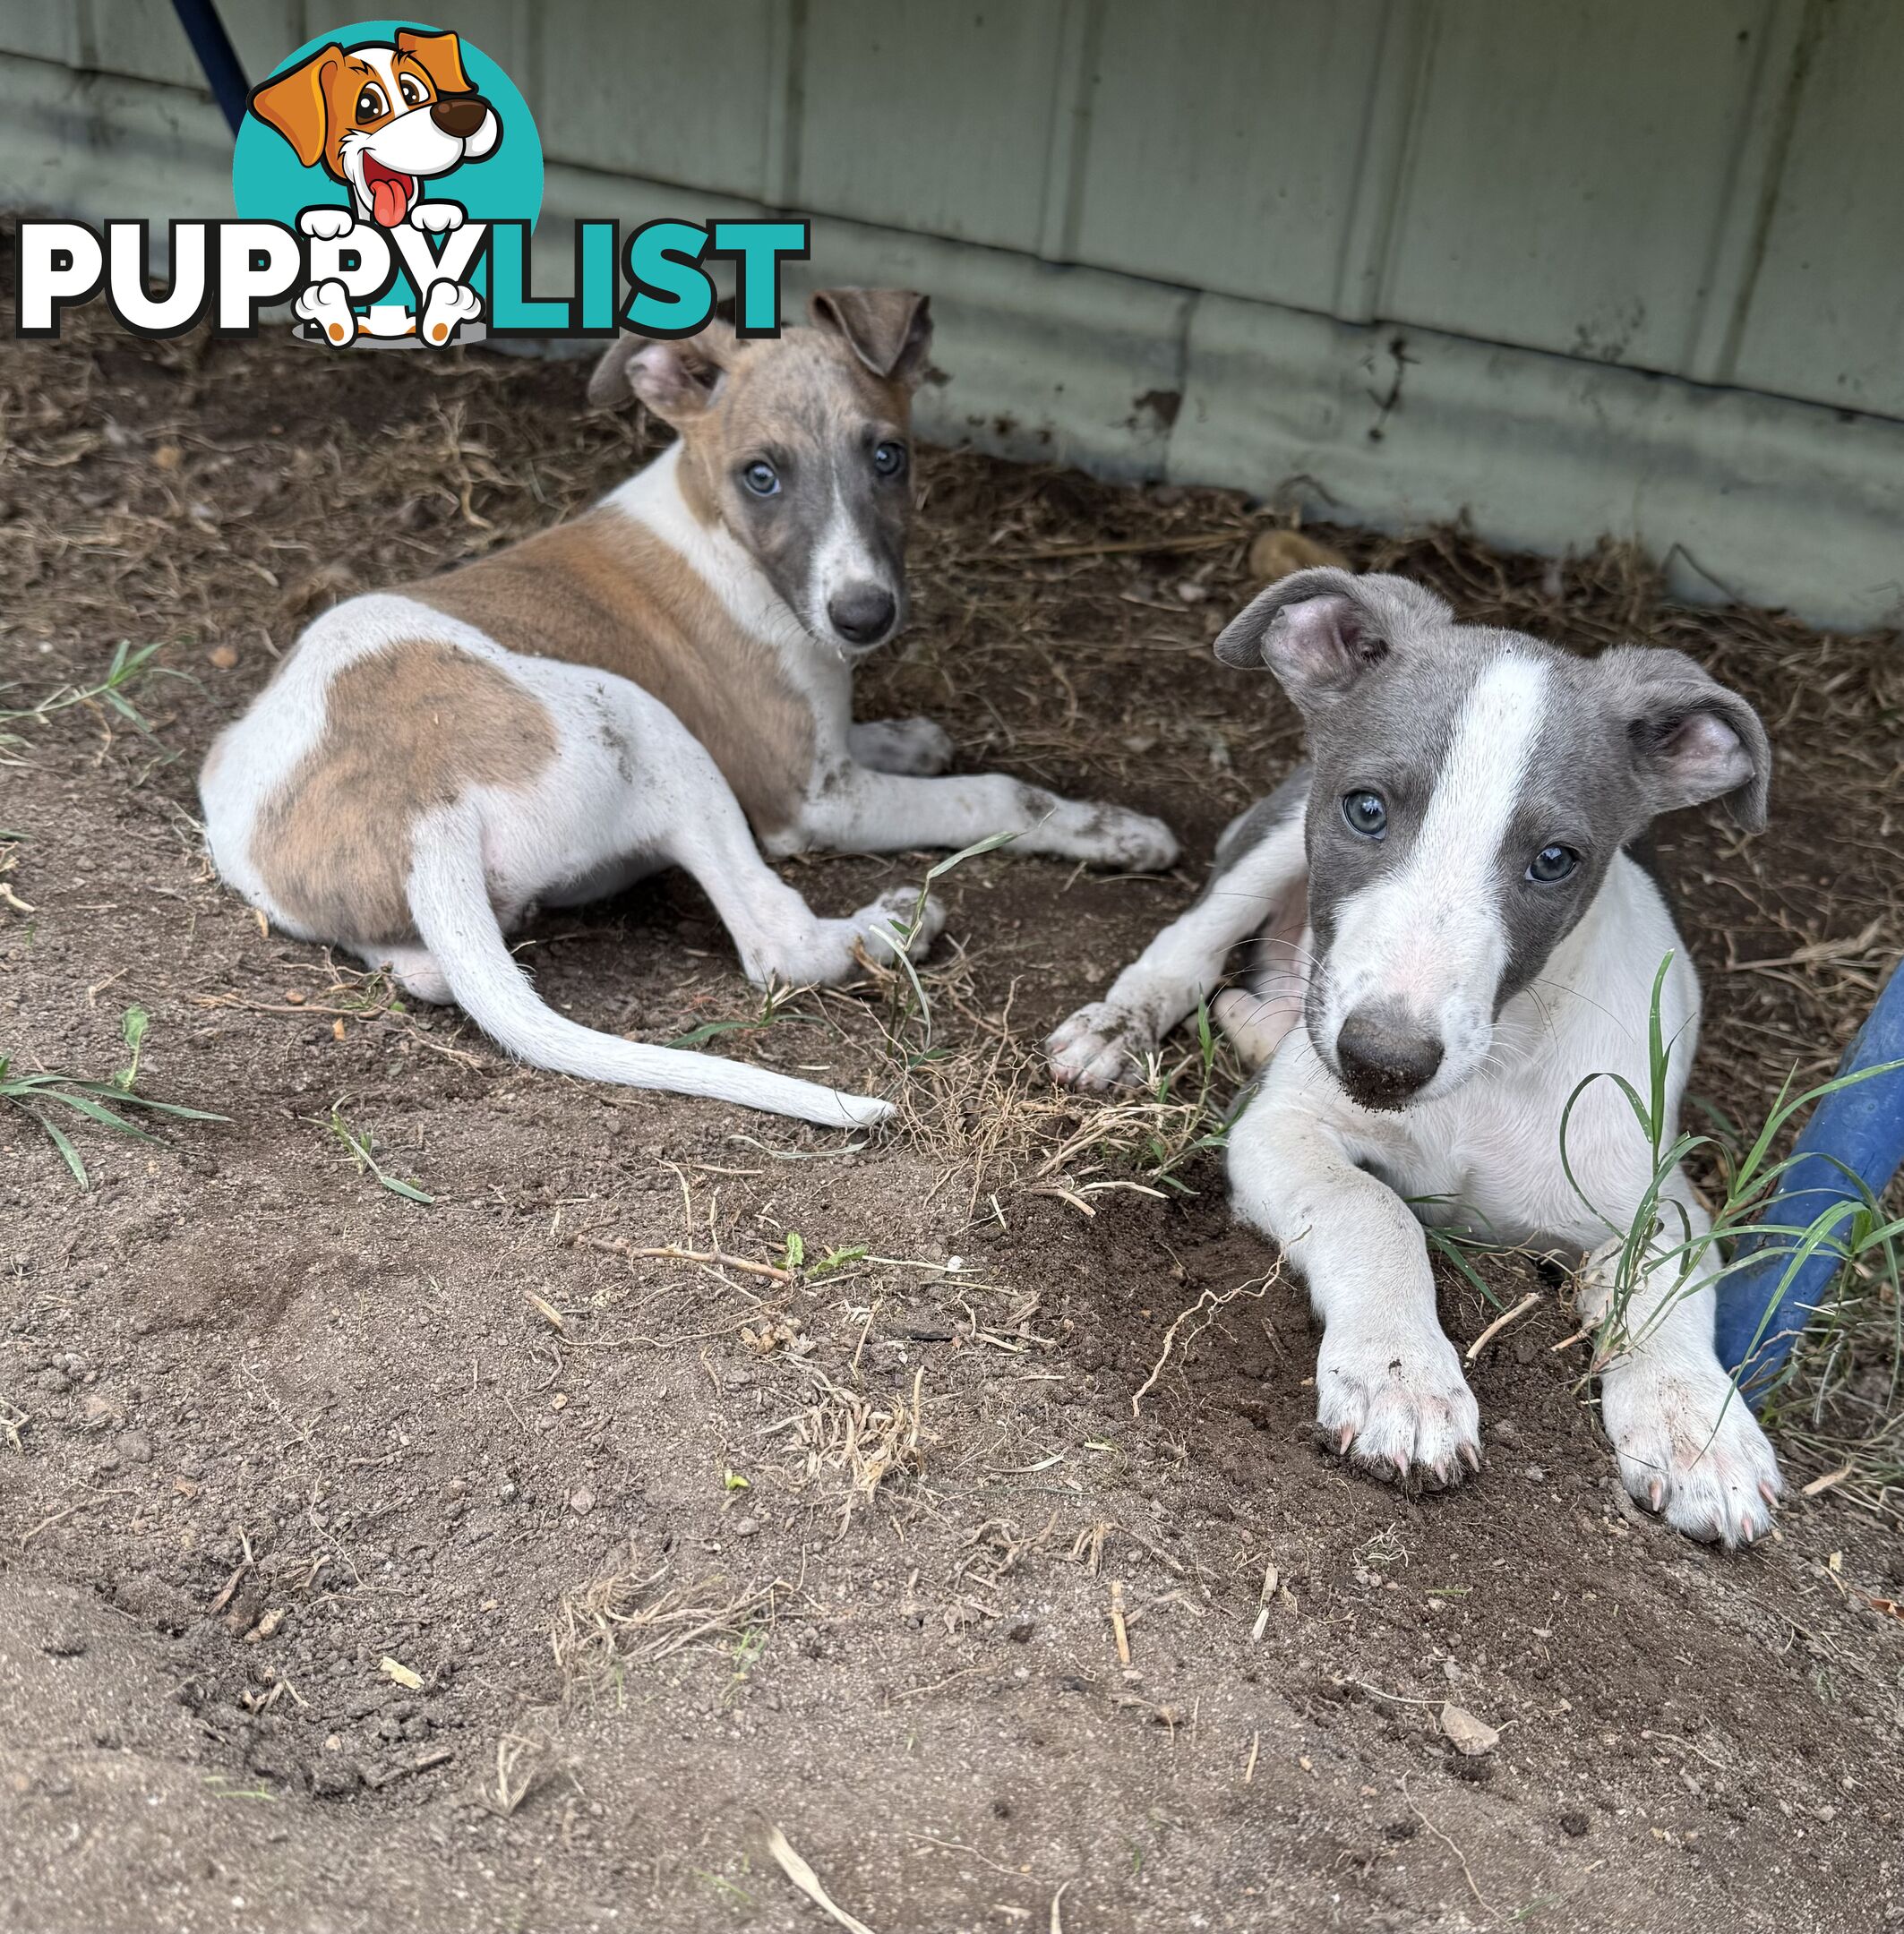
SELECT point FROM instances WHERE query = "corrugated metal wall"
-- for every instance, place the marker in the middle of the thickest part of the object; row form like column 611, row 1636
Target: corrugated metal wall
column 1706, row 189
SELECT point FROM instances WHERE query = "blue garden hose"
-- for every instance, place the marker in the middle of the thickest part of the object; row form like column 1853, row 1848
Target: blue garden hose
column 1854, row 1131
column 216, row 55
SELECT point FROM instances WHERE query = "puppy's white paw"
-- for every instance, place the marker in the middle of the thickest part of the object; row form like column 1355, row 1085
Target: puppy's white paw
column 915, row 747
column 1255, row 1023
column 1100, row 1048
column 1112, row 836
column 328, row 305
column 450, row 305
column 1398, row 1406
column 326, row 224
column 1690, row 1448
column 437, row 218
column 896, row 914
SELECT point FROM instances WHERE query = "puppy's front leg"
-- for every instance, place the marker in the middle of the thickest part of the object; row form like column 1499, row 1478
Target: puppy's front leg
column 854, row 809
column 1260, row 876
column 1688, row 1444
column 1389, row 1391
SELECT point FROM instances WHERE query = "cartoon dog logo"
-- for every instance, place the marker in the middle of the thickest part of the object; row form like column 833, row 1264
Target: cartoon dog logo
column 383, row 117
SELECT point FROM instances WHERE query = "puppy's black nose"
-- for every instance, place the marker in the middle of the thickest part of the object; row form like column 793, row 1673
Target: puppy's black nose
column 1384, row 1057
column 461, row 115
column 862, row 613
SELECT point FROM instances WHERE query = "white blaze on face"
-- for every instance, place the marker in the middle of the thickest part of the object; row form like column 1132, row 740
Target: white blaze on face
column 841, row 558
column 1430, row 936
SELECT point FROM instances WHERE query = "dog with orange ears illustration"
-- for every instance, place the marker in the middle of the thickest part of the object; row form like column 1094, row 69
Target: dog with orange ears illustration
column 383, row 118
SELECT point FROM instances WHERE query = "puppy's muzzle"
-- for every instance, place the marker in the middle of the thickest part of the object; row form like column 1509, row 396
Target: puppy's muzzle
column 863, row 614
column 460, row 115
column 1384, row 1056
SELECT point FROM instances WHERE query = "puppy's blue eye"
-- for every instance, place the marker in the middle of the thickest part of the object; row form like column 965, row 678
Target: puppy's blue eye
column 761, row 478
column 1552, row 863
column 1366, row 814
column 889, row 459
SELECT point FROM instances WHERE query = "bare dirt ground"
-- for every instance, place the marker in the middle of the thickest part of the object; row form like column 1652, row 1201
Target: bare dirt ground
column 370, row 1563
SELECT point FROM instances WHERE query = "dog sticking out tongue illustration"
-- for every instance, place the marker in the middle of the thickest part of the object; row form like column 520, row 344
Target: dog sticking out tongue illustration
column 382, row 118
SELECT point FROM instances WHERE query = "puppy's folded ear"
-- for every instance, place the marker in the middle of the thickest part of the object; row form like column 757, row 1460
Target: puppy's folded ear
column 675, row 379
column 1692, row 739
column 440, row 56
column 294, row 103
column 890, row 331
column 609, row 386
column 1319, row 630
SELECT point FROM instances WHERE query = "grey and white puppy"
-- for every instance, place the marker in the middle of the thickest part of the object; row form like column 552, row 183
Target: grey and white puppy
column 1446, row 900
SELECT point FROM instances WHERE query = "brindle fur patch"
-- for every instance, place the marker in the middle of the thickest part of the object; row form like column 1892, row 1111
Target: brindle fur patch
column 406, row 730
column 604, row 591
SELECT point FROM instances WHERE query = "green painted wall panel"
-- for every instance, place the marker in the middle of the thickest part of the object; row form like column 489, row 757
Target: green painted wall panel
column 929, row 114
column 1825, row 318
column 1569, row 170
column 42, row 32
column 1225, row 141
column 678, row 93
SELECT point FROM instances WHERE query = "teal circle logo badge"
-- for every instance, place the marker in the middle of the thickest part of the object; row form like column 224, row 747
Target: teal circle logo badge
column 401, row 156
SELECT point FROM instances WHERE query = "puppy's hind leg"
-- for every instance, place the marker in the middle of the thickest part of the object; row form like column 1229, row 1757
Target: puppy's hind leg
column 779, row 937
column 414, row 969
column 1259, row 1013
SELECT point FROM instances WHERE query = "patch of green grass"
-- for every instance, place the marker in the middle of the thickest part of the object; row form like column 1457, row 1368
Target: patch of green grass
column 133, row 1025
column 1458, row 1247
column 99, row 1102
column 1860, row 1311
column 745, row 1653
column 912, row 1006
column 1147, row 1136
column 360, row 1147
column 221, row 1787
column 796, row 1258
column 1200, row 1126
column 736, row 1898
column 774, row 1009
column 130, row 665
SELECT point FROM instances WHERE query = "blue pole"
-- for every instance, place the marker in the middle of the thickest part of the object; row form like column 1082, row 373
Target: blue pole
column 1859, row 1129
column 212, row 45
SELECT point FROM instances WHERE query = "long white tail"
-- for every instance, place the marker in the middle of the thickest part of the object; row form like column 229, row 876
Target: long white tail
column 449, row 900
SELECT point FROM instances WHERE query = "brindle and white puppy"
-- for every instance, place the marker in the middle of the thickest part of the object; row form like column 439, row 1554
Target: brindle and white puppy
column 658, row 683
column 1446, row 898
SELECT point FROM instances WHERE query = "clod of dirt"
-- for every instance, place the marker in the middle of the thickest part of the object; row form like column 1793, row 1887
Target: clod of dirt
column 1278, row 553
column 1466, row 1734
